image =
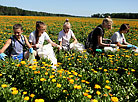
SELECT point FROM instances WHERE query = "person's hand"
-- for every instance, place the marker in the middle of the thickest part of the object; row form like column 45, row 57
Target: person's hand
column 31, row 50
column 129, row 46
column 98, row 50
column 2, row 56
column 59, row 47
column 113, row 45
column 39, row 45
column 135, row 47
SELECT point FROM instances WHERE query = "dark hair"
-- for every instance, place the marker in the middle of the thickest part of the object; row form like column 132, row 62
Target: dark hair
column 38, row 24
column 124, row 27
column 17, row 26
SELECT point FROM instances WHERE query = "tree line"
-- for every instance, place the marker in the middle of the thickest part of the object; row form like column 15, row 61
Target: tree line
column 117, row 15
column 14, row 11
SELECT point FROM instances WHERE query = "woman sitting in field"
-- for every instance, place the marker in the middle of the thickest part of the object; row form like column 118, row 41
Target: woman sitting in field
column 119, row 38
column 37, row 39
column 95, row 41
column 65, row 36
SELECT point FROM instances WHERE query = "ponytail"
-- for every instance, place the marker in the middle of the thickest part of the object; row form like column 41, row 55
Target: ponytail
column 38, row 25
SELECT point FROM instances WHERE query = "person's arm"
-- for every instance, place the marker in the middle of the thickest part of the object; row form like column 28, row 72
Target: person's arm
column 121, row 45
column 54, row 44
column 6, row 45
column 75, row 40
column 27, row 43
column 60, row 43
column 100, row 43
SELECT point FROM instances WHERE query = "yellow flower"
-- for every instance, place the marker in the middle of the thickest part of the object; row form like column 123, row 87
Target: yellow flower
column 64, row 77
column 23, row 62
column 34, row 59
column 64, row 91
column 39, row 100
column 114, row 99
column 71, row 81
column 98, row 92
column 75, row 73
column 18, row 65
column 79, row 75
column 70, row 76
column 94, row 100
column 97, row 86
column 4, row 85
column 14, row 92
column 26, row 98
column 87, row 82
column 42, row 79
column 89, row 96
column 79, row 87
column 43, row 62
column 58, row 85
column 68, row 58
column 49, row 65
column 13, row 88
column 105, row 70
column 83, row 81
column 53, row 80
column 87, row 91
column 46, row 73
column 107, row 81
column 32, row 95
column 0, row 74
column 52, row 76
column 107, row 87
column 24, row 92
column 133, row 70
column 30, row 67
column 75, row 86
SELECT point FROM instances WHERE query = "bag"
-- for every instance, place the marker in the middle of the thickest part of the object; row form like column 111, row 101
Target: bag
column 31, row 58
column 89, row 42
column 78, row 46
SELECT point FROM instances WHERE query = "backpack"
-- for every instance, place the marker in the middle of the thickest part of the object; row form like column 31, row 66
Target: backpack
column 10, row 48
column 89, row 40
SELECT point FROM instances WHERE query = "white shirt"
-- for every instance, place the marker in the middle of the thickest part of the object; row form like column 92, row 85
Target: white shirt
column 65, row 38
column 42, row 38
column 117, row 37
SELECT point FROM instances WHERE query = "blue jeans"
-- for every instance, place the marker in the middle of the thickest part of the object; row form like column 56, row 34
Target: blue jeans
column 19, row 57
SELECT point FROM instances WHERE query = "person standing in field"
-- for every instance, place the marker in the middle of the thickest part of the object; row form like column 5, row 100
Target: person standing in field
column 95, row 40
column 15, row 45
column 119, row 38
column 37, row 38
column 65, row 35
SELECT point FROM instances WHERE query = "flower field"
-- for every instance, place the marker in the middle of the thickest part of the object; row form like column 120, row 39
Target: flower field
column 80, row 77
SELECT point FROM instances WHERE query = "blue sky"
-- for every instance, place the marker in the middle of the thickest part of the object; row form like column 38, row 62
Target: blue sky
column 75, row 7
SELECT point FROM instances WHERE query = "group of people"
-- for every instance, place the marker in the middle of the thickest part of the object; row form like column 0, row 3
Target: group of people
column 95, row 40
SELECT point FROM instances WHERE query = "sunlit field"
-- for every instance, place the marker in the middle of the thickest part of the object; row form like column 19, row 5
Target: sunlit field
column 80, row 77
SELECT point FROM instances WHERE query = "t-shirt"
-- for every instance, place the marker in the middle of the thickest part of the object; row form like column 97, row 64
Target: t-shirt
column 17, row 48
column 65, row 38
column 42, row 38
column 98, row 31
column 117, row 37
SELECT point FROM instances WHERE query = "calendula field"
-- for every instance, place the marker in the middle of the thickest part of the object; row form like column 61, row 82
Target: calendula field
column 80, row 77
